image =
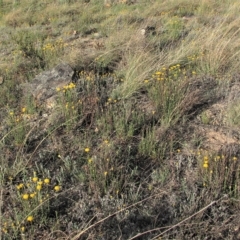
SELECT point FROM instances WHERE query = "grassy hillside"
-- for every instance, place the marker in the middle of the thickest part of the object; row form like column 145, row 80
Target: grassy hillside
column 144, row 143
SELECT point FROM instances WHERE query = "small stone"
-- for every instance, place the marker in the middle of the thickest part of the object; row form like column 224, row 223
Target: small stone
column 43, row 87
column 97, row 35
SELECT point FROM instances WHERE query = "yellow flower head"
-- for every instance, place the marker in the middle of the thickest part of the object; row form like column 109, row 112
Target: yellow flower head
column 20, row 186
column 32, row 195
column 71, row 85
column 25, row 196
column 35, row 179
column 90, row 160
column 30, row 218
column 39, row 187
column 46, row 181
column 205, row 165
column 57, row 188
column 87, row 150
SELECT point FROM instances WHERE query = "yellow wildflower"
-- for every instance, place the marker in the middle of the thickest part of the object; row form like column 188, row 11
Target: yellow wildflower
column 35, row 179
column 90, row 160
column 19, row 186
column 87, row 150
column 46, row 181
column 32, row 195
column 71, row 85
column 30, row 218
column 205, row 165
column 25, row 196
column 39, row 187
column 57, row 188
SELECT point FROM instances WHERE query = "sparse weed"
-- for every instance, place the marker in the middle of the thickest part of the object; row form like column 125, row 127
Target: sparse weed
column 31, row 196
column 219, row 173
column 68, row 103
column 18, row 127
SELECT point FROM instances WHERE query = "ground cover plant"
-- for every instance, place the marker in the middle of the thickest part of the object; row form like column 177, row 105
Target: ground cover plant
column 142, row 142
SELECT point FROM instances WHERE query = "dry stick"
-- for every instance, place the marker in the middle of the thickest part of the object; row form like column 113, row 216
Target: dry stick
column 102, row 220
column 176, row 225
column 56, row 231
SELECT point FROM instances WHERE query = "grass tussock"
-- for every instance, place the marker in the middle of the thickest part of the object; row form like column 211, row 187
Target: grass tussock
column 143, row 142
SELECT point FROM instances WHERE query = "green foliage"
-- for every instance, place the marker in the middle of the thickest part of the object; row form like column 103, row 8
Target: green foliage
column 29, row 44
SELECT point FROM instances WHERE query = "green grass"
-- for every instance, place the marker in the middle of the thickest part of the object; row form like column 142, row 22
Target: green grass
column 126, row 151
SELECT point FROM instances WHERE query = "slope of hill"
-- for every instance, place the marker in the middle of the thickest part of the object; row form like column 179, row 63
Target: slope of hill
column 119, row 119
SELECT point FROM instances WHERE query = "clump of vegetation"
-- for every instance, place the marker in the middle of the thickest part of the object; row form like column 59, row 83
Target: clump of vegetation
column 143, row 142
